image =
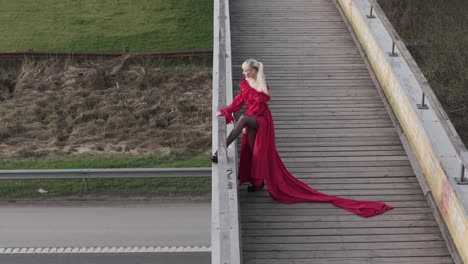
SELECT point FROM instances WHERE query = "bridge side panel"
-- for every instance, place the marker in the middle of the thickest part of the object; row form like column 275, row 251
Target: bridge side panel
column 429, row 141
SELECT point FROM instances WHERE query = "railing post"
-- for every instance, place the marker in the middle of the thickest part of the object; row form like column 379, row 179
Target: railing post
column 370, row 14
column 393, row 53
column 423, row 105
column 463, row 180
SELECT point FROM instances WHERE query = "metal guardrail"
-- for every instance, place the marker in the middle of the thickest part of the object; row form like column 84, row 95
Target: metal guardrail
column 225, row 231
column 427, row 90
column 104, row 173
column 105, row 54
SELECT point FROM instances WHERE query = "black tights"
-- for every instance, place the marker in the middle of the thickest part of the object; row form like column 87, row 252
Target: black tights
column 244, row 121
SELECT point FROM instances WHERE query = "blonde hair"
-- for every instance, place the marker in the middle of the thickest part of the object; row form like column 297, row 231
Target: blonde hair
column 261, row 81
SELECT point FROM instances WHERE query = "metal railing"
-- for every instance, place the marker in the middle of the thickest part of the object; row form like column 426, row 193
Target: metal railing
column 225, row 232
column 427, row 91
column 86, row 174
column 104, row 173
column 30, row 53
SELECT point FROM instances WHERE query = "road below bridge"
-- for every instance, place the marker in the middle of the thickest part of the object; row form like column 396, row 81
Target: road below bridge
column 117, row 231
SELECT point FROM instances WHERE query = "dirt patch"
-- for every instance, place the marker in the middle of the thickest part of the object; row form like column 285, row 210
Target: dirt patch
column 112, row 106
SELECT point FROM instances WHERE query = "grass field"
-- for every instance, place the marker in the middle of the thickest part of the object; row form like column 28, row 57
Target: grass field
column 181, row 142
column 146, row 187
column 106, row 161
column 106, row 25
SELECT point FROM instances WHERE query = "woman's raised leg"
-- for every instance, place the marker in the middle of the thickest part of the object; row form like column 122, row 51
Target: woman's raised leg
column 244, row 121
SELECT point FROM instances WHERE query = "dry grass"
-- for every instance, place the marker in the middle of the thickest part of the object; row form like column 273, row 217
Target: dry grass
column 114, row 106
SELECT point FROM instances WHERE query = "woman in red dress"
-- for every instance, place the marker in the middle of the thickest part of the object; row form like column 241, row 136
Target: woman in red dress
column 259, row 159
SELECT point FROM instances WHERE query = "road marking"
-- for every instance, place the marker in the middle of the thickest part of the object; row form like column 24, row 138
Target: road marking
column 91, row 250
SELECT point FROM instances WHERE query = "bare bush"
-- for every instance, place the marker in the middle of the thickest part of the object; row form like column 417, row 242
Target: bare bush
column 436, row 35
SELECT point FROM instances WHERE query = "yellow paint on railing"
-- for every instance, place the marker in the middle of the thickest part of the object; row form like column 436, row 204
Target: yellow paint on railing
column 410, row 123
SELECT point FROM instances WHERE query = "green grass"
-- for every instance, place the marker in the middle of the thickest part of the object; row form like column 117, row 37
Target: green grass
column 13, row 189
column 145, row 187
column 109, row 161
column 106, row 25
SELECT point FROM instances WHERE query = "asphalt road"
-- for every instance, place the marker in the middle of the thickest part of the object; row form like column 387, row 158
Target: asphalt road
column 146, row 258
column 155, row 225
column 85, row 225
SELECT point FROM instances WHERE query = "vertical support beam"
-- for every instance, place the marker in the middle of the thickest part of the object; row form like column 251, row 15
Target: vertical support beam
column 225, row 213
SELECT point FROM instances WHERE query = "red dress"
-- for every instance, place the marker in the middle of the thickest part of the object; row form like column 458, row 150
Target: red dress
column 265, row 163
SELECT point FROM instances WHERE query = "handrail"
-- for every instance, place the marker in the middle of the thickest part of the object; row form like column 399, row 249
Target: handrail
column 225, row 235
column 455, row 139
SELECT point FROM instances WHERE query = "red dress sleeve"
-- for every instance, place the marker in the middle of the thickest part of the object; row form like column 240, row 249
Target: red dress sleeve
column 235, row 106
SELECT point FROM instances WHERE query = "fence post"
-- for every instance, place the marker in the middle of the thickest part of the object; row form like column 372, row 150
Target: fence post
column 463, row 180
column 423, row 105
column 370, row 14
column 393, row 53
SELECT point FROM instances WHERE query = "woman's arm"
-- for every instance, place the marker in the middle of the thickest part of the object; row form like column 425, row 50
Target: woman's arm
column 235, row 106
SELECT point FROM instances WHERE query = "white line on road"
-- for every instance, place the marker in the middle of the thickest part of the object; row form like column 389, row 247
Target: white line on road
column 107, row 250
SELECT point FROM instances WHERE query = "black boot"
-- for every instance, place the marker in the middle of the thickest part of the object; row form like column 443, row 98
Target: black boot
column 252, row 188
column 214, row 157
